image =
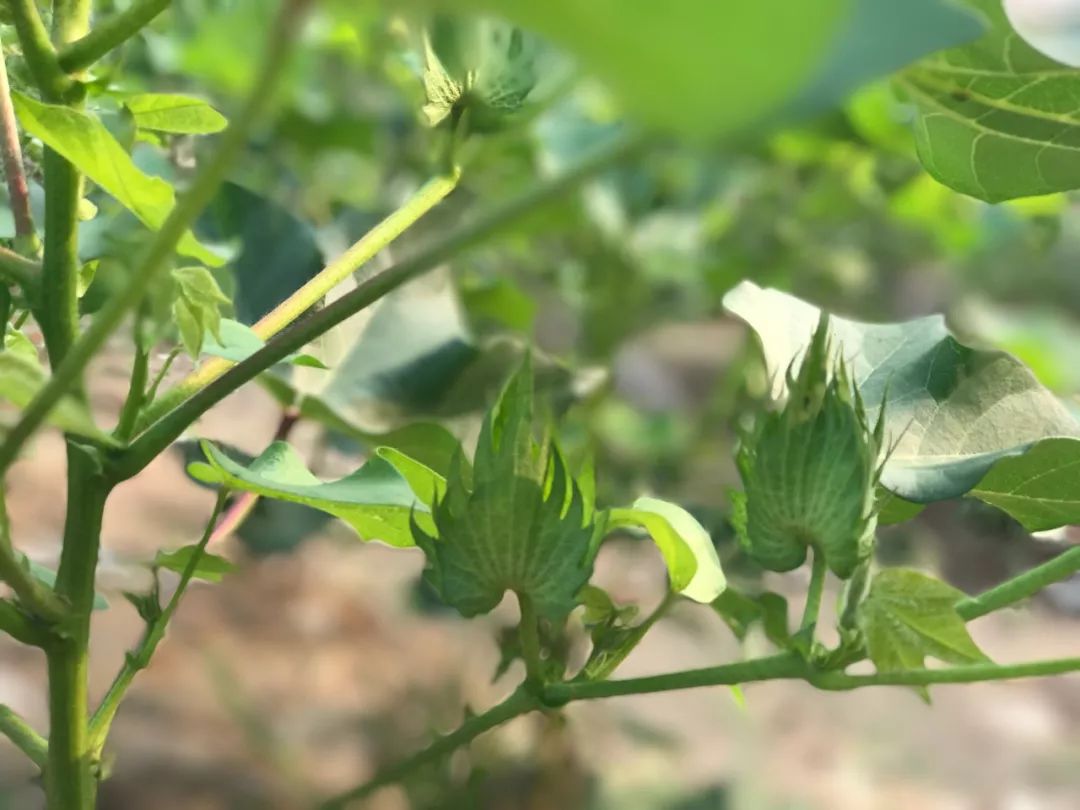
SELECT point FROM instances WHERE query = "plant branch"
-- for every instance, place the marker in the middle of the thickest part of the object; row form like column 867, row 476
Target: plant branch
column 775, row 667
column 155, row 260
column 20, row 270
column 25, row 738
column 1020, row 587
column 309, row 295
column 31, row 592
column 110, row 35
column 21, row 627
column 38, row 50
column 14, row 173
column 520, row 702
column 139, row 658
column 169, row 426
column 963, row 674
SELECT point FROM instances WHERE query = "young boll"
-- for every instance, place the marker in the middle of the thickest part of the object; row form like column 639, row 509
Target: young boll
column 1051, row 27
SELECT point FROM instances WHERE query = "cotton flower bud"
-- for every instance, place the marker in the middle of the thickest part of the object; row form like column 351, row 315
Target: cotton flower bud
column 480, row 68
column 810, row 470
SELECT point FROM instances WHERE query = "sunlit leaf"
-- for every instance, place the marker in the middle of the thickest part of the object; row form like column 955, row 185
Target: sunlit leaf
column 997, row 119
column 171, row 112
column 84, row 141
column 688, row 551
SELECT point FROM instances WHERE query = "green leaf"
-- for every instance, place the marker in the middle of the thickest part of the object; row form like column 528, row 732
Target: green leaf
column 21, row 377
column 1041, row 488
column 84, row 141
column 950, row 411
column 892, row 509
column 741, row 612
column 519, row 524
column 197, row 307
column 237, row 342
column 908, row 616
column 47, row 577
column 375, row 500
column 997, row 119
column 425, row 483
column 87, row 274
column 171, row 112
column 688, row 550
column 209, row 568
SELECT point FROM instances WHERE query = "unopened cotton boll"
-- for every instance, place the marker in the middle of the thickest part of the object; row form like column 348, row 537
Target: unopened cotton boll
column 1051, row 27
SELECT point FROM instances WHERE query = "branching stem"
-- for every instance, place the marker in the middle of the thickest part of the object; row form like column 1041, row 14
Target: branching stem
column 139, row 658
column 110, row 35
column 155, row 260
column 161, row 433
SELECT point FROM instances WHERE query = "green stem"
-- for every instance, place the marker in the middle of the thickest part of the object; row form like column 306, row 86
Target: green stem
column 160, row 434
column 520, row 702
column 308, row 296
column 1020, row 587
column 70, row 779
column 71, row 20
column 138, row 659
column 814, row 592
column 110, row 35
column 783, row 665
column 529, row 633
column 155, row 260
column 30, row 591
column 20, row 270
column 962, row 674
column 58, row 302
column 21, row 627
column 38, row 50
column 140, row 373
column 25, row 738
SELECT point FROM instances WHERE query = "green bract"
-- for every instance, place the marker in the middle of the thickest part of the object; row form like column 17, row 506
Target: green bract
column 482, row 67
column 519, row 525
column 810, row 470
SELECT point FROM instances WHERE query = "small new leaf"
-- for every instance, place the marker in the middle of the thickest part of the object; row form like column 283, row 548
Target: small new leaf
column 208, row 568
column 907, row 616
column 518, row 526
column 197, row 307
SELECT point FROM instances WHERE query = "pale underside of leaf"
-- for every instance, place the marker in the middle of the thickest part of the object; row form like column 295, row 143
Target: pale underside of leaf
column 950, row 411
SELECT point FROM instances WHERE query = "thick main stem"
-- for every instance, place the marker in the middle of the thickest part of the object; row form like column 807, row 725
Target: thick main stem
column 70, row 780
